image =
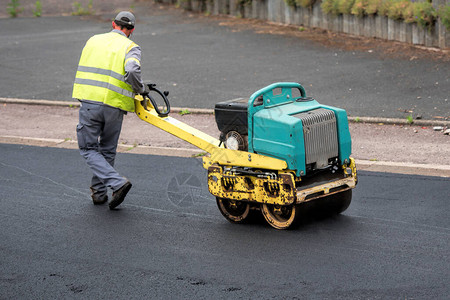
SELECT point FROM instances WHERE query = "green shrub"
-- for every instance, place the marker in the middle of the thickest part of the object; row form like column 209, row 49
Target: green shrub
column 444, row 14
column 359, row 7
column 424, row 14
column 305, row 3
column 408, row 13
column 373, row 6
column 397, row 9
column 13, row 8
column 81, row 11
column 330, row 7
column 345, row 6
column 384, row 7
column 37, row 12
column 290, row 3
column 421, row 13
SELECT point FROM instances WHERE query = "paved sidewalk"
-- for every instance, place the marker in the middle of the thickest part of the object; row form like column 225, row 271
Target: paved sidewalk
column 384, row 148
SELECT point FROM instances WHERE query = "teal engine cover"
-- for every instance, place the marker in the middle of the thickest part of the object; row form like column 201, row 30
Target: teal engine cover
column 283, row 123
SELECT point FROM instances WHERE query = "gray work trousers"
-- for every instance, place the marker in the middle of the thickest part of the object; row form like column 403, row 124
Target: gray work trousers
column 98, row 133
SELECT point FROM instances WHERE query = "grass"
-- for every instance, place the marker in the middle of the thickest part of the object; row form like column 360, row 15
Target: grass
column 409, row 119
column 184, row 112
column 199, row 154
column 132, row 147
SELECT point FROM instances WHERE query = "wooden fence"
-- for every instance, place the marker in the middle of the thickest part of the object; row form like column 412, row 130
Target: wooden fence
column 370, row 26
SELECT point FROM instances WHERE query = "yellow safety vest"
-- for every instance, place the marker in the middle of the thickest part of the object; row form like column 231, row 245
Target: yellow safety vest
column 100, row 74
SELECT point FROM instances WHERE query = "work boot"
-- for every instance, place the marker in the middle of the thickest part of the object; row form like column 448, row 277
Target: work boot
column 98, row 197
column 119, row 195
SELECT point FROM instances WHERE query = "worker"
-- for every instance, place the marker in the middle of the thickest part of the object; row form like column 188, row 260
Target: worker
column 107, row 79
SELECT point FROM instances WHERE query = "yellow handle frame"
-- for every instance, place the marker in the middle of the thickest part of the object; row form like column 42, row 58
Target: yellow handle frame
column 218, row 155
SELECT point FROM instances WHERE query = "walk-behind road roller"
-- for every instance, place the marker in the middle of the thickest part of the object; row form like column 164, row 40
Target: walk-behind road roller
column 278, row 151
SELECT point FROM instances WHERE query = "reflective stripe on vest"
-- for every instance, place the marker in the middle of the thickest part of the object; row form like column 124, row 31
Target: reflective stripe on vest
column 105, row 85
column 100, row 74
column 102, row 83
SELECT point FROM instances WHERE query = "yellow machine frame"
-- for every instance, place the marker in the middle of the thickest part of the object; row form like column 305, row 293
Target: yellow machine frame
column 276, row 185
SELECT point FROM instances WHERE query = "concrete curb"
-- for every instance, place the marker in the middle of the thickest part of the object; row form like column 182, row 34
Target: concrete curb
column 392, row 121
column 403, row 168
column 363, row 165
column 77, row 104
column 375, row 120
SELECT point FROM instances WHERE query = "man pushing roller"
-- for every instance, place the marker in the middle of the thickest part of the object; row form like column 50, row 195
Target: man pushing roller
column 107, row 79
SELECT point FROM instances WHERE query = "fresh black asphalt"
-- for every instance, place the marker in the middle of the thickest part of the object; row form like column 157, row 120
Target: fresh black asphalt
column 169, row 241
column 201, row 63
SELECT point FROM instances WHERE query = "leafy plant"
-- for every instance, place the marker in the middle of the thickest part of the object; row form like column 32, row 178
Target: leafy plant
column 444, row 14
column 345, row 6
column 424, row 14
column 184, row 112
column 373, row 6
column 291, row 3
column 409, row 119
column 397, row 9
column 359, row 7
column 81, row 11
column 14, row 8
column 305, row 3
column 384, row 7
column 330, row 7
column 408, row 11
column 37, row 12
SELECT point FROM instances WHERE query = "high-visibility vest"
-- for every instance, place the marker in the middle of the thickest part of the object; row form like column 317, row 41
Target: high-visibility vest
column 100, row 74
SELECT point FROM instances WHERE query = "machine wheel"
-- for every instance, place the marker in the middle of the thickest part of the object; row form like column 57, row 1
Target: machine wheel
column 234, row 211
column 338, row 203
column 342, row 201
column 279, row 216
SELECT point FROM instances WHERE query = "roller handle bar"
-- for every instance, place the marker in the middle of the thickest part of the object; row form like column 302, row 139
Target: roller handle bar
column 152, row 87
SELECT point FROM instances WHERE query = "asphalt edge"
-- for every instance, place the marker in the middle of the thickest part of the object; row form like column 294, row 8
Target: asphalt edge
column 362, row 165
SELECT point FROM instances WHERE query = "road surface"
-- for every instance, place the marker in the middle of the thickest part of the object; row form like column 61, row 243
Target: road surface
column 168, row 240
column 202, row 62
